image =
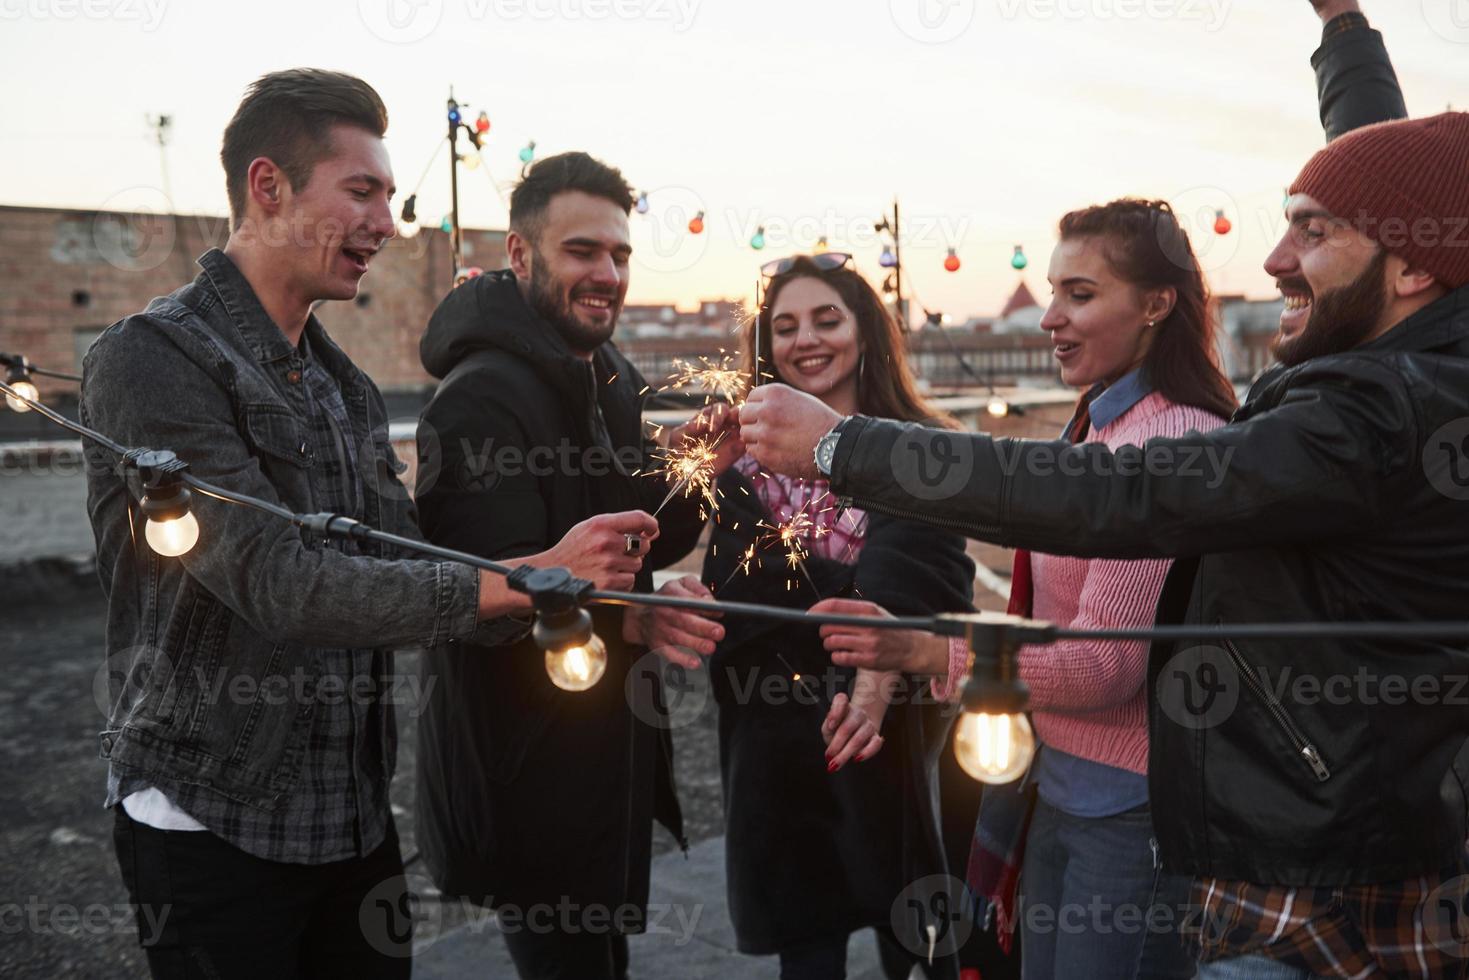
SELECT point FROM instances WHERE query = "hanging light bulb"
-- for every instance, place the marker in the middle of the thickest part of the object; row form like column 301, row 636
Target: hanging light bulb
column 994, row 748
column 642, row 204
column 758, row 242
column 696, row 225
column 482, row 122
column 470, row 160
column 576, row 658
column 951, row 263
column 408, row 230
column 1221, row 224
column 528, row 152
column 998, row 407
column 19, row 378
column 454, row 115
column 447, row 225
column 821, row 245
column 887, row 259
column 172, row 529
column 1018, row 260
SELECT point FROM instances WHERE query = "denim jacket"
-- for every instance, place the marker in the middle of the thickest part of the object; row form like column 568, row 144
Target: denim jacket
column 213, row 657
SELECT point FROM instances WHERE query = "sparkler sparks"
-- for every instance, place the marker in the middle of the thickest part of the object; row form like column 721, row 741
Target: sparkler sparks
column 717, row 380
column 690, row 468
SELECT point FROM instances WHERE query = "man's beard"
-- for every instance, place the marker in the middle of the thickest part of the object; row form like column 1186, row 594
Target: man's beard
column 551, row 304
column 1340, row 319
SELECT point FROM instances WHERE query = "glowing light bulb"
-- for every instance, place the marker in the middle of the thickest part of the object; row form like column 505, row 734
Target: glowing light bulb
column 408, row 230
column 821, row 244
column 1221, row 224
column 577, row 667
column 642, row 205
column 528, row 152
column 173, row 537
column 994, row 748
column 25, row 388
column 758, row 242
column 696, row 226
column 1018, row 260
column 998, row 407
column 951, row 263
column 470, row 160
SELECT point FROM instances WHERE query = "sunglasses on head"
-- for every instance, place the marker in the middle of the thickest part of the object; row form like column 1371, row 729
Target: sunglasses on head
column 824, row 261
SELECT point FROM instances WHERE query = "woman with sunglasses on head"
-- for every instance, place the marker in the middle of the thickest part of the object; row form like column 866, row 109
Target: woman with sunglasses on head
column 1130, row 324
column 820, row 845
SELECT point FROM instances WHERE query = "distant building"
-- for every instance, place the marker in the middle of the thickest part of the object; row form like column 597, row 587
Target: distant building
column 1022, row 314
column 1248, row 326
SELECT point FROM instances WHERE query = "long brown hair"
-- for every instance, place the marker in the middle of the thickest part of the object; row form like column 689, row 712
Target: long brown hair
column 1145, row 246
column 885, row 387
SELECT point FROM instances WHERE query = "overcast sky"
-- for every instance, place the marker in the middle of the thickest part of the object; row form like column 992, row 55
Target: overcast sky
column 989, row 118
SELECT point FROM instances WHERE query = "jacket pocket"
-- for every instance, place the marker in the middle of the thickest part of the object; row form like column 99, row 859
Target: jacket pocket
column 276, row 432
column 190, row 647
column 1305, row 750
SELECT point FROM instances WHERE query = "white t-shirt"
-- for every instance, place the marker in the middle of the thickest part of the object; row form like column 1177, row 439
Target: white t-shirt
column 149, row 806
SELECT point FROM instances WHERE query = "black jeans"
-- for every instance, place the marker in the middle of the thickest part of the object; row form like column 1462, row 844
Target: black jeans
column 568, row 956
column 206, row 909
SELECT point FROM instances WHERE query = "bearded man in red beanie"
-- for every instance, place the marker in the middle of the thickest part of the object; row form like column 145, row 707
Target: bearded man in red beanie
column 1315, row 788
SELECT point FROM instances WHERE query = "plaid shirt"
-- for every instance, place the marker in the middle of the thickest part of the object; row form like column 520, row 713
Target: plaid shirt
column 835, row 532
column 338, row 808
column 1397, row 929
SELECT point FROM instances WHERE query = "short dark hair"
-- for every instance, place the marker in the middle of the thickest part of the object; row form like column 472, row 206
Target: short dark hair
column 574, row 171
column 287, row 116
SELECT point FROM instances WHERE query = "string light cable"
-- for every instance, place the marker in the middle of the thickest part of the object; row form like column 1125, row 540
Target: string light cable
column 993, row 741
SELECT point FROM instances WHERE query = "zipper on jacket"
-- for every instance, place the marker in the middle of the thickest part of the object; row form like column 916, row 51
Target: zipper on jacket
column 1303, row 746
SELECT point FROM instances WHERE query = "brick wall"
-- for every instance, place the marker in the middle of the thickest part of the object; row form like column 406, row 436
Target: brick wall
column 65, row 274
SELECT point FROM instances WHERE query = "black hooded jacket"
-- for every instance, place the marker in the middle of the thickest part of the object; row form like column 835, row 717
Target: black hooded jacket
column 527, row 793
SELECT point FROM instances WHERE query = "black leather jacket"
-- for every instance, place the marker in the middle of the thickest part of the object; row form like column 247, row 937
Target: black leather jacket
column 1338, row 493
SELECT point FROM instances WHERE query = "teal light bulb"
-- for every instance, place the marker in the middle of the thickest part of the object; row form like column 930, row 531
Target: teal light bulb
column 447, row 225
column 528, row 152
column 758, row 242
column 1018, row 260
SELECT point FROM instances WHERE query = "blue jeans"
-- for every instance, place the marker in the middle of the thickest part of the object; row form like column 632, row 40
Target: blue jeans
column 1087, row 891
column 1252, row 968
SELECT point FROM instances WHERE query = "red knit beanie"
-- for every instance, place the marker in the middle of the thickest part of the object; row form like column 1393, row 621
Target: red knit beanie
column 1405, row 185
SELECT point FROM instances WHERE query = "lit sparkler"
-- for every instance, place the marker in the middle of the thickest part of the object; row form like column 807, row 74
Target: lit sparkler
column 717, row 380
column 690, row 468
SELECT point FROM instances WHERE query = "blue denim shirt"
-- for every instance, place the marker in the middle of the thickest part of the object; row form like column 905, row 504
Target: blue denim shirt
column 226, row 665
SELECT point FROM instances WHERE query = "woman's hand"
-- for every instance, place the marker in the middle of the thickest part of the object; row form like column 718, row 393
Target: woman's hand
column 909, row 651
column 680, row 636
column 852, row 726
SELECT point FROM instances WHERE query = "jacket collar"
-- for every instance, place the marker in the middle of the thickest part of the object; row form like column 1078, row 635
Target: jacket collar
column 260, row 332
column 1442, row 323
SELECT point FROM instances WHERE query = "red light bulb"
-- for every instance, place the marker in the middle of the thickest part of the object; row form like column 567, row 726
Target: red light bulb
column 1221, row 224
column 696, row 226
column 952, row 262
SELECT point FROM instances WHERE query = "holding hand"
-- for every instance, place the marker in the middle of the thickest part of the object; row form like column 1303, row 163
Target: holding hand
column 607, row 549
column 1329, row 10
column 781, row 426
column 852, row 726
column 672, row 633
column 714, row 421
column 909, row 651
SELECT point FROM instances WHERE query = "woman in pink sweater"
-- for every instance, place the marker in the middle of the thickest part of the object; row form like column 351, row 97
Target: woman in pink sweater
column 1129, row 320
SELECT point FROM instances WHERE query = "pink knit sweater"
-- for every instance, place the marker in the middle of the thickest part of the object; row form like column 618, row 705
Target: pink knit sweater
column 1089, row 697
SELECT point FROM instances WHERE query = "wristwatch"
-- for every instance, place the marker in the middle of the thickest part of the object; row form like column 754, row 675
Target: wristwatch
column 826, row 449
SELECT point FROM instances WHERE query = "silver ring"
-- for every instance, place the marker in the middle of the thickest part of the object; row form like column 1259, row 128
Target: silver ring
column 632, row 544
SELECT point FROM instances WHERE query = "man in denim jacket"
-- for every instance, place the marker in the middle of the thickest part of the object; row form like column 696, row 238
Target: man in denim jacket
column 249, row 740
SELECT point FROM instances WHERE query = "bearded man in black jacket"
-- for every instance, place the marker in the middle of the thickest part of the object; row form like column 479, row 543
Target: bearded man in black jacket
column 532, row 800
